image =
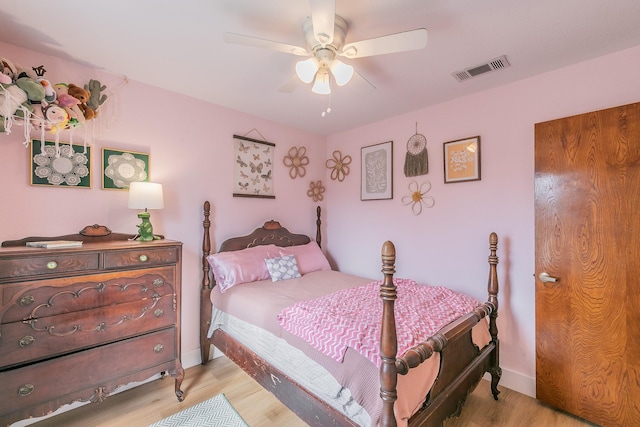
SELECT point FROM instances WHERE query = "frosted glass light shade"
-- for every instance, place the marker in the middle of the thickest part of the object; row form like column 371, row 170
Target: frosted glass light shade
column 321, row 86
column 307, row 69
column 145, row 195
column 341, row 72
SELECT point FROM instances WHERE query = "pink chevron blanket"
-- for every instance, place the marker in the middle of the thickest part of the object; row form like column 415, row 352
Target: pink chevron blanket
column 351, row 317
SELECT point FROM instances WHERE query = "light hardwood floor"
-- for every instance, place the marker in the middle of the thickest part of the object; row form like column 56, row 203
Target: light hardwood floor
column 153, row 401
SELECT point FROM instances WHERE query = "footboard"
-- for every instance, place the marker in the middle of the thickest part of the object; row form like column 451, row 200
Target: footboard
column 462, row 363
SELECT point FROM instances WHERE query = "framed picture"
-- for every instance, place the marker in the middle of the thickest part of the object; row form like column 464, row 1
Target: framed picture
column 377, row 172
column 60, row 165
column 462, row 160
column 253, row 172
column 121, row 168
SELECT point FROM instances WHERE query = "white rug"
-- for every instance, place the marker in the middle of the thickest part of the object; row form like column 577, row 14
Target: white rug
column 215, row 412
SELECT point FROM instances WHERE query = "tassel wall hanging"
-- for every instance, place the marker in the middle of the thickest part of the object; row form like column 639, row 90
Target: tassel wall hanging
column 416, row 161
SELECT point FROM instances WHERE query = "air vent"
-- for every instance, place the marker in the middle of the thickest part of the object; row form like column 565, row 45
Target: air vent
column 493, row 65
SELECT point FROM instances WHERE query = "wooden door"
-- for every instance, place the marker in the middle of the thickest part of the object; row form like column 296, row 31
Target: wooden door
column 587, row 226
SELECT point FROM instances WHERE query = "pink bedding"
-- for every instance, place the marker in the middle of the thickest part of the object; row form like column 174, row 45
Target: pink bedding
column 259, row 303
column 350, row 318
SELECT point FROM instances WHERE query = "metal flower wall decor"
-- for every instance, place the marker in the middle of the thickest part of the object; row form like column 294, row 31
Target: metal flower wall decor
column 339, row 166
column 418, row 197
column 296, row 160
column 316, row 190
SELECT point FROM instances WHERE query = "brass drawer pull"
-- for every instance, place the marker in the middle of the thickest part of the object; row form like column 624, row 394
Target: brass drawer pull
column 159, row 312
column 52, row 265
column 158, row 283
column 27, row 300
column 26, row 389
column 143, row 258
column 27, row 340
column 158, row 348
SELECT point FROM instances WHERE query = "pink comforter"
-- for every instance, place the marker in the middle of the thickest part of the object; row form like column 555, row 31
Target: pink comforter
column 350, row 318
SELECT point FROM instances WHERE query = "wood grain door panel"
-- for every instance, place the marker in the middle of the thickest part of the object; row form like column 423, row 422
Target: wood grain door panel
column 587, row 192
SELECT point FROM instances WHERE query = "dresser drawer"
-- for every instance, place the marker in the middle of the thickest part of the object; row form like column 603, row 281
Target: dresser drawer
column 40, row 338
column 45, row 298
column 68, row 375
column 53, row 264
column 141, row 257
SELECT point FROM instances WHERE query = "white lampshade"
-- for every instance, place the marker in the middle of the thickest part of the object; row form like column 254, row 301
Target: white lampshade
column 321, row 86
column 145, row 195
column 307, row 69
column 341, row 72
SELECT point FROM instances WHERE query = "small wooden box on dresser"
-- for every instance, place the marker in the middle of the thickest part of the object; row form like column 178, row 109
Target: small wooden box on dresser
column 78, row 323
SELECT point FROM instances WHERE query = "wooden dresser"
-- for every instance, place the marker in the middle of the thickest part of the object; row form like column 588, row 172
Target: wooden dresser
column 78, row 323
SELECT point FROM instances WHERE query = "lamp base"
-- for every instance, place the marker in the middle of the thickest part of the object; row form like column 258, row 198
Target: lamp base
column 145, row 229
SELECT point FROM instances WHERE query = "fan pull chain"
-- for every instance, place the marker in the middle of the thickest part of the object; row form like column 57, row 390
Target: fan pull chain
column 327, row 110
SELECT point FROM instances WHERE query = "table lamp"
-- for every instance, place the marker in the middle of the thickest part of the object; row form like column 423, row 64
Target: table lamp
column 145, row 195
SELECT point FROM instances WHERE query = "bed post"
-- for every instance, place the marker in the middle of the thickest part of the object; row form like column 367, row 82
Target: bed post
column 318, row 223
column 388, row 339
column 492, row 288
column 205, row 292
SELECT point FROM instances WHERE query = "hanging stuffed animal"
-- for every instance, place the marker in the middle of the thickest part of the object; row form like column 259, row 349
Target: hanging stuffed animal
column 416, row 161
column 97, row 98
column 82, row 95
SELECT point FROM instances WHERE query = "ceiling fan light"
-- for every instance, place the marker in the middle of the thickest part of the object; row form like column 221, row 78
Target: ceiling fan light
column 342, row 72
column 321, row 85
column 307, row 69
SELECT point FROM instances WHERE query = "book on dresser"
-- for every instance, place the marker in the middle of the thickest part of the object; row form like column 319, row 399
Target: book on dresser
column 80, row 322
column 53, row 244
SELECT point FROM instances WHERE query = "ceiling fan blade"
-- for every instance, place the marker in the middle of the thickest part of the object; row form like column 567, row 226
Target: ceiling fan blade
column 400, row 42
column 265, row 44
column 323, row 13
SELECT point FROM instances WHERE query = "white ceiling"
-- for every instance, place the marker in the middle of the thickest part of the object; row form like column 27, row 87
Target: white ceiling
column 178, row 45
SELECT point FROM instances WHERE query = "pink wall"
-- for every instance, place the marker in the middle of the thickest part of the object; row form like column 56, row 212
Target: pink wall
column 191, row 154
column 448, row 244
column 190, row 143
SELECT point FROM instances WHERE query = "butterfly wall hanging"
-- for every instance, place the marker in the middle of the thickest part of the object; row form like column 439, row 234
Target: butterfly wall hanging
column 253, row 173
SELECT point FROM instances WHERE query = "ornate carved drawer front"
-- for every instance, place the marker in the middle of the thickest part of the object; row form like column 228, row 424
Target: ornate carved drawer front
column 43, row 337
column 31, row 385
column 45, row 298
column 54, row 263
column 140, row 258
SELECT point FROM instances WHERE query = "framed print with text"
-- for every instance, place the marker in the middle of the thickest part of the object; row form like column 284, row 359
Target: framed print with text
column 462, row 160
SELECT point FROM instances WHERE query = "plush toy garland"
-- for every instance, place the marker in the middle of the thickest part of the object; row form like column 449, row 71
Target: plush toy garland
column 29, row 99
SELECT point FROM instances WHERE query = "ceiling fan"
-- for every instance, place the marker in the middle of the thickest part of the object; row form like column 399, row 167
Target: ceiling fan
column 325, row 33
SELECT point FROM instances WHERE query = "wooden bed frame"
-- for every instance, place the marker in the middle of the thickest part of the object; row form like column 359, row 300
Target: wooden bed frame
column 462, row 363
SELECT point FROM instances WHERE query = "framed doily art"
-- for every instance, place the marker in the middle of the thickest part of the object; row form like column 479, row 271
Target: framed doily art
column 60, row 165
column 121, row 168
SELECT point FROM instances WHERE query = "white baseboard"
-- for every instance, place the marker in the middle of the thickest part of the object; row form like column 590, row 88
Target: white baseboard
column 517, row 382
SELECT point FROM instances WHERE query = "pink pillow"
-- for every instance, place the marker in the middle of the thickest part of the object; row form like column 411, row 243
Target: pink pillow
column 236, row 267
column 309, row 257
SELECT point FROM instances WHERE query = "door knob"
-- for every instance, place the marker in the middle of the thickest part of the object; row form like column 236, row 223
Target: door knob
column 545, row 277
